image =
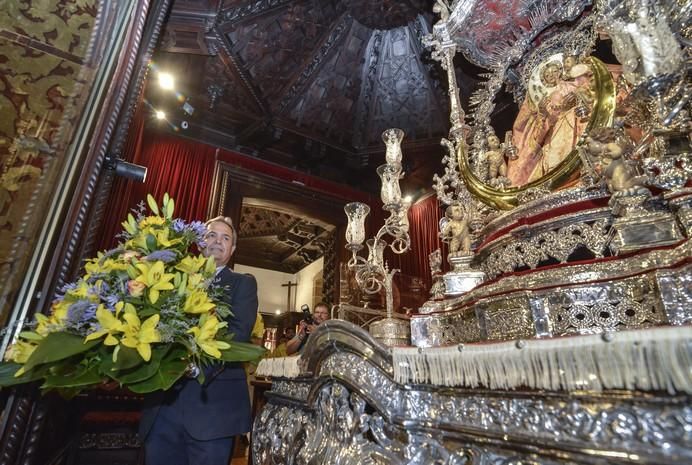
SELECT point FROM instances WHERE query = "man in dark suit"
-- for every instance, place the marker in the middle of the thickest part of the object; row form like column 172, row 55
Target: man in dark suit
column 193, row 424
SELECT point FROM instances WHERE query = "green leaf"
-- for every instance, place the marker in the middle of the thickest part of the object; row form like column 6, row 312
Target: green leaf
column 145, row 371
column 79, row 378
column 127, row 358
column 58, row 346
column 152, row 204
column 132, row 272
column 242, row 352
column 7, row 371
column 151, row 242
column 170, row 208
column 67, row 393
column 147, row 312
column 170, row 371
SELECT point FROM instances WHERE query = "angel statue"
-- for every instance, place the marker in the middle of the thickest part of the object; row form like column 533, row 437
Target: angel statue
column 454, row 229
column 611, row 153
column 496, row 162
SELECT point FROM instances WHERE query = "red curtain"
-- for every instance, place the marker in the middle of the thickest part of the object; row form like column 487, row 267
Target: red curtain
column 424, row 217
column 182, row 168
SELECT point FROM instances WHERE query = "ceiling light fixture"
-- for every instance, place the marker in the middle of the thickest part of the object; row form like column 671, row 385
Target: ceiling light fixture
column 166, row 81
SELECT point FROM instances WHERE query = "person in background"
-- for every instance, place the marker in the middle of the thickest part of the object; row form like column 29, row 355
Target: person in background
column 193, row 423
column 319, row 315
column 257, row 336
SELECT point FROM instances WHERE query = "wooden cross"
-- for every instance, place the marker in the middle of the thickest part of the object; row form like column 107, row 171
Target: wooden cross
column 290, row 286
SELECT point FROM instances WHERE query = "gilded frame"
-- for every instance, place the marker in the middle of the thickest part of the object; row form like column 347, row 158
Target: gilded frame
column 506, row 199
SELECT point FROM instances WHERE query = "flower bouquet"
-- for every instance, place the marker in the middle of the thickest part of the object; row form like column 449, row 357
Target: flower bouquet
column 142, row 315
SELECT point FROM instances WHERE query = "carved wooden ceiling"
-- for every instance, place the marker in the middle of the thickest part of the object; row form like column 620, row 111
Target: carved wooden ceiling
column 278, row 239
column 309, row 84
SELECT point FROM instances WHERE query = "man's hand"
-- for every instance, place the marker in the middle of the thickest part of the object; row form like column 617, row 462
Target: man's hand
column 310, row 328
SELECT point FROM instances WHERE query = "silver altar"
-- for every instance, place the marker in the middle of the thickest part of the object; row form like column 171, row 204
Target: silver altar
column 346, row 408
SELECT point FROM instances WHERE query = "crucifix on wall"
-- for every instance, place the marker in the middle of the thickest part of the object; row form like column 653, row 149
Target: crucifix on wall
column 291, row 298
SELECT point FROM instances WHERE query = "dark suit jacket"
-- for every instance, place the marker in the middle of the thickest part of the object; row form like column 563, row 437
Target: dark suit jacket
column 220, row 407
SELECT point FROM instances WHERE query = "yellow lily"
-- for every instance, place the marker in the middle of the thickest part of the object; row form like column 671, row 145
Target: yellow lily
column 110, row 324
column 95, row 266
column 59, row 311
column 191, row 265
column 155, row 278
column 194, row 281
column 19, row 352
column 139, row 242
column 205, row 334
column 79, row 292
column 198, row 302
column 138, row 335
column 163, row 240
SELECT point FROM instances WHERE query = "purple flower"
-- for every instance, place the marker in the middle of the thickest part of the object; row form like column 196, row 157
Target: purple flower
column 198, row 229
column 139, row 211
column 68, row 287
column 165, row 256
column 178, row 225
column 81, row 312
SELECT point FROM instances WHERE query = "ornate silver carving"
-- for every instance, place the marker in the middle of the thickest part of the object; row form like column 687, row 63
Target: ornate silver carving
column 383, row 392
column 505, row 318
column 644, row 229
column 356, row 413
column 633, row 303
column 675, row 287
column 625, row 425
column 293, row 389
column 644, row 290
column 461, row 278
column 537, row 247
column 555, row 200
column 445, row 329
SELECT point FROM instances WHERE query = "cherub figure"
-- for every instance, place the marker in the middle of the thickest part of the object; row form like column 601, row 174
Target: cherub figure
column 497, row 165
column 610, row 152
column 456, row 230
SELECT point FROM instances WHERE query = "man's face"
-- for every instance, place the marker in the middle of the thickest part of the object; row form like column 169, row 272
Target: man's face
column 219, row 240
column 320, row 314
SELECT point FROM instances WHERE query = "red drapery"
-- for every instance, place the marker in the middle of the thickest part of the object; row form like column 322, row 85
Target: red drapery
column 424, row 217
column 182, row 168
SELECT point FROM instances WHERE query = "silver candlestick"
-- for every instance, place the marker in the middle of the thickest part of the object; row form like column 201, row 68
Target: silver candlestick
column 372, row 273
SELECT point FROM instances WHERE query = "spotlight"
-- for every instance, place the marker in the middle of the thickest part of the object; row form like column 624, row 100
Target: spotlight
column 166, row 81
column 408, row 199
column 160, row 114
column 184, row 125
column 130, row 170
column 187, row 108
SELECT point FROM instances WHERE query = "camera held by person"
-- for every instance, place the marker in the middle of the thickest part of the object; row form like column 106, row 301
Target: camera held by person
column 307, row 325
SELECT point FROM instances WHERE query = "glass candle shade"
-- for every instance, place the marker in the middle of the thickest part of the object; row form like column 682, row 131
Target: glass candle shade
column 376, row 253
column 403, row 216
column 356, row 213
column 391, row 192
column 392, row 140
